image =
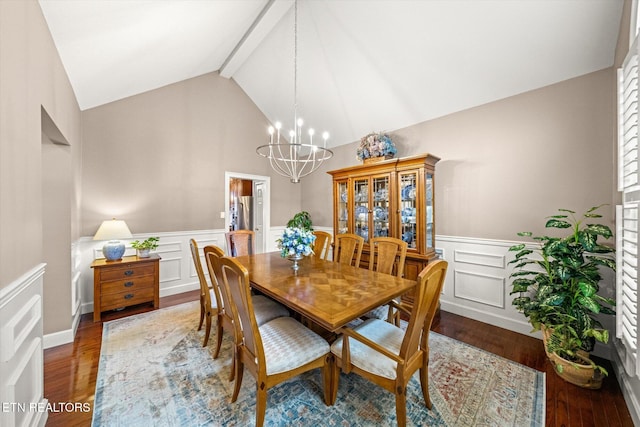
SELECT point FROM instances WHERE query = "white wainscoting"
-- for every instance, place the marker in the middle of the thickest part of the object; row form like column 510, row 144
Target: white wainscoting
column 21, row 351
column 177, row 271
column 478, row 284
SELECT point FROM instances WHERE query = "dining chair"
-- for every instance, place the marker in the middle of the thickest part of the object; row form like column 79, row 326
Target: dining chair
column 322, row 244
column 385, row 354
column 240, row 242
column 347, row 247
column 385, row 253
column 274, row 352
column 265, row 309
column 208, row 295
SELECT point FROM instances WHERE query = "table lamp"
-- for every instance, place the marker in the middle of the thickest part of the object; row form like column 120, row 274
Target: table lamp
column 112, row 230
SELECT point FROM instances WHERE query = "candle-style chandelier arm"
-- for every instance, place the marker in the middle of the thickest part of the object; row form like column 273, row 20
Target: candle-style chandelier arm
column 294, row 161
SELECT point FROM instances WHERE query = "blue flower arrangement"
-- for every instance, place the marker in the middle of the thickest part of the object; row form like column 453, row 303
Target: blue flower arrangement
column 296, row 241
column 376, row 145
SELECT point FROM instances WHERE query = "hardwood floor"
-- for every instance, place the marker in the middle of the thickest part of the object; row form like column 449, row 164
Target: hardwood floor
column 70, row 370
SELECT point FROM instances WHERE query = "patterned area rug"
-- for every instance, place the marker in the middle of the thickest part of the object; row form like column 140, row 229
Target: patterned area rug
column 154, row 372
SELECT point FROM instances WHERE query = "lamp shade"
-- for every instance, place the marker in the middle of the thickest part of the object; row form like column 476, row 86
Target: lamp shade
column 113, row 230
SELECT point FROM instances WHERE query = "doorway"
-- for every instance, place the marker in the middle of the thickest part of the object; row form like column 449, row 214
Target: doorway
column 247, row 205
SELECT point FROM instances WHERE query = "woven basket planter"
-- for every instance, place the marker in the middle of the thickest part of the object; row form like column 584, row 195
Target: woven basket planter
column 584, row 376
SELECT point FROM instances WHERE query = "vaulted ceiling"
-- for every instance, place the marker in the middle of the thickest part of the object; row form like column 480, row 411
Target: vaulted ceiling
column 362, row 65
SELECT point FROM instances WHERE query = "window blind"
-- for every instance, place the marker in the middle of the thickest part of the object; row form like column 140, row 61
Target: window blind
column 628, row 126
column 627, row 215
column 627, row 283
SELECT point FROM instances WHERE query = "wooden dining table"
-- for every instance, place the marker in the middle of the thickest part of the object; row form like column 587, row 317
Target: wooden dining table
column 328, row 293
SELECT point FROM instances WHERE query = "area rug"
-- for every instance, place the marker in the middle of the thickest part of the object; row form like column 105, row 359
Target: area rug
column 154, row 371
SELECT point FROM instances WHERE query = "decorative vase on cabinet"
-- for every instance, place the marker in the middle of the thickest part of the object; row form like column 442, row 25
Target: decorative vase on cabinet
column 390, row 198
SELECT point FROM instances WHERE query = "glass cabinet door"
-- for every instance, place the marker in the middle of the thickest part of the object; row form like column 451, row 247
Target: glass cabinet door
column 407, row 193
column 361, row 208
column 343, row 212
column 429, row 214
column 380, row 211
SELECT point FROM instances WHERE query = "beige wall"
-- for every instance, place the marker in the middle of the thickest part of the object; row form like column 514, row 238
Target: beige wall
column 509, row 164
column 157, row 160
column 31, row 78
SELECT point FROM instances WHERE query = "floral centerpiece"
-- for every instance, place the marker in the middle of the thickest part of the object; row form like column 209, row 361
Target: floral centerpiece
column 376, row 145
column 295, row 243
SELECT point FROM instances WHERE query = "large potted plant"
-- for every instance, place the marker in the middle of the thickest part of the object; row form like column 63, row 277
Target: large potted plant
column 558, row 282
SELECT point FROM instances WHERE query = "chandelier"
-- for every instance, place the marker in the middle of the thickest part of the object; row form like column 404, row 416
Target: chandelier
column 294, row 159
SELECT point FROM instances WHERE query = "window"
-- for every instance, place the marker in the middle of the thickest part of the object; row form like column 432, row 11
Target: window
column 627, row 215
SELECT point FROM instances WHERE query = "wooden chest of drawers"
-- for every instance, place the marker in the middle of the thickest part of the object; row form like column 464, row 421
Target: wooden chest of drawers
column 129, row 281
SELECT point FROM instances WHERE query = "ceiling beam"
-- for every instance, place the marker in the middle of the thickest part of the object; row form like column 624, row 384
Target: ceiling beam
column 268, row 18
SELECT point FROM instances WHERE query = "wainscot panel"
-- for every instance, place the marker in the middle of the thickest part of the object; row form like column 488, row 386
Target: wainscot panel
column 481, row 288
column 21, row 351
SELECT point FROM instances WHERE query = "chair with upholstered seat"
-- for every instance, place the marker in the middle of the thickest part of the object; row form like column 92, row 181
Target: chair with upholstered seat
column 385, row 254
column 385, row 354
column 348, row 249
column 265, row 309
column 209, row 298
column 322, row 244
column 274, row 352
column 240, row 242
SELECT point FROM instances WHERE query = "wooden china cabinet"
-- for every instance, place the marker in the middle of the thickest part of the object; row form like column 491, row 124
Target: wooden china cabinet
column 392, row 198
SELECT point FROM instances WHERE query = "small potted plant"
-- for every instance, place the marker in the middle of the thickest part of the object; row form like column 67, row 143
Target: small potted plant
column 558, row 285
column 143, row 248
column 301, row 220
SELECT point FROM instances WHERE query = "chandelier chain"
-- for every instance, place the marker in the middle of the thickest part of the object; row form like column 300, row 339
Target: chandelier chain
column 295, row 61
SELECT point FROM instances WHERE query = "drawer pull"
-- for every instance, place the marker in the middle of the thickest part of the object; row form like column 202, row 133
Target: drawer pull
column 128, row 272
column 128, row 296
column 128, row 284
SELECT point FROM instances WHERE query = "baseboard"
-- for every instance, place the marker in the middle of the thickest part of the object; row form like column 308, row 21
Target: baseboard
column 62, row 337
column 179, row 289
column 504, row 322
column 58, row 338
